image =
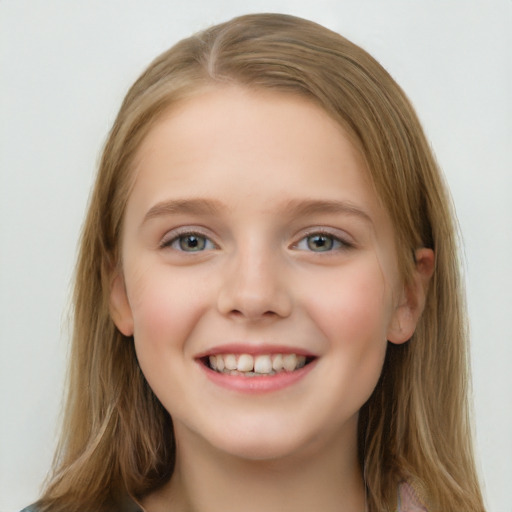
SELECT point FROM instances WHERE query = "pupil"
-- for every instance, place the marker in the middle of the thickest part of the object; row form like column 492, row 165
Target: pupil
column 320, row 242
column 192, row 243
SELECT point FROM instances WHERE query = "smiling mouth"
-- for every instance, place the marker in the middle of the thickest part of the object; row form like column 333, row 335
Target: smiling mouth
column 247, row 365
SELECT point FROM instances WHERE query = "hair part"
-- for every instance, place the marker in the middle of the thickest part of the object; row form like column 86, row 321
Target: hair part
column 117, row 438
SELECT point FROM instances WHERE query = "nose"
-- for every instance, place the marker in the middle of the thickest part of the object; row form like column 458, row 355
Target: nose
column 254, row 287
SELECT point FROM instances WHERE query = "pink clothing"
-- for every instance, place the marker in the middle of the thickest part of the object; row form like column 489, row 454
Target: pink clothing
column 408, row 500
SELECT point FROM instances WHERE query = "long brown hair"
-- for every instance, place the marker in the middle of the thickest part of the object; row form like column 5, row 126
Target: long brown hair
column 117, row 438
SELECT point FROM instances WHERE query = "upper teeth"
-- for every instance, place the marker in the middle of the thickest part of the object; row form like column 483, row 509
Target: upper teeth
column 264, row 364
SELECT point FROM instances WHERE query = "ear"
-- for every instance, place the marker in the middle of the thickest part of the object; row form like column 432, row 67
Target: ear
column 412, row 301
column 120, row 309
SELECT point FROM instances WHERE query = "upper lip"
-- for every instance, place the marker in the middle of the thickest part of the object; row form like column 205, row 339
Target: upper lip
column 243, row 348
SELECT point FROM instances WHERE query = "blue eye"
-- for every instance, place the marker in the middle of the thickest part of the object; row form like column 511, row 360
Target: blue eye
column 321, row 242
column 190, row 242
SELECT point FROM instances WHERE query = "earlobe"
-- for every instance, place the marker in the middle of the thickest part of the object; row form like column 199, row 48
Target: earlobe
column 120, row 309
column 412, row 302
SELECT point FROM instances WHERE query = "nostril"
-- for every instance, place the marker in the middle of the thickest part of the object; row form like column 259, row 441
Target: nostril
column 252, row 314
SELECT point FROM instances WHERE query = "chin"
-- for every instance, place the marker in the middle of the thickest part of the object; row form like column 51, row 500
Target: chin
column 251, row 439
column 270, row 441
column 260, row 451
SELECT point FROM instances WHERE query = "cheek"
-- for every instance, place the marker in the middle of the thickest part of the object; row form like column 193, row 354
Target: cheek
column 165, row 309
column 165, row 312
column 351, row 308
column 358, row 333
column 354, row 307
column 353, row 314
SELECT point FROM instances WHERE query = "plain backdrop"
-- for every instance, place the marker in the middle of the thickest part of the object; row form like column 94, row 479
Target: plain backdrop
column 64, row 68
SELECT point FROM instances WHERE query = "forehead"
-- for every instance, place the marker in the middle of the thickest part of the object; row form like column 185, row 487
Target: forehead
column 228, row 135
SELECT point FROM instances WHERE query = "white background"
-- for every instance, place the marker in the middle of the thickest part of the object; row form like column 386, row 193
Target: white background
column 64, row 68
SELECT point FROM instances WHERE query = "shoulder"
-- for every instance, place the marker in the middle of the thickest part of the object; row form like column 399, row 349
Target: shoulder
column 126, row 505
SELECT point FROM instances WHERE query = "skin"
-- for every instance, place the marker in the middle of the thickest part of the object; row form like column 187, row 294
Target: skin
column 256, row 158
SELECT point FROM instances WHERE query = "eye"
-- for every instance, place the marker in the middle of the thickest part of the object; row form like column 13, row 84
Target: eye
column 321, row 242
column 189, row 242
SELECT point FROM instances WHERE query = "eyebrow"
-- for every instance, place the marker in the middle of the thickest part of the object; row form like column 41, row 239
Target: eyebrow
column 308, row 207
column 186, row 206
column 292, row 208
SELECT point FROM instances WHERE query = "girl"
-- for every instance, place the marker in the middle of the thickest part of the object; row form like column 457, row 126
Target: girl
column 268, row 311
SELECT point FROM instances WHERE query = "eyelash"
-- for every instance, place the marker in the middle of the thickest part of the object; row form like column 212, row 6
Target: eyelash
column 205, row 243
column 338, row 244
column 182, row 236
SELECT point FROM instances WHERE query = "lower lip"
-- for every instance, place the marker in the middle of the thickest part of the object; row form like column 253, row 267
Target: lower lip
column 255, row 385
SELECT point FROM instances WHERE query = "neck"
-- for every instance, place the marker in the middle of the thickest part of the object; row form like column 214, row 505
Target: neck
column 326, row 478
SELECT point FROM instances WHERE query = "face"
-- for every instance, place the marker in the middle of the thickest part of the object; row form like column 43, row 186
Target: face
column 259, row 274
